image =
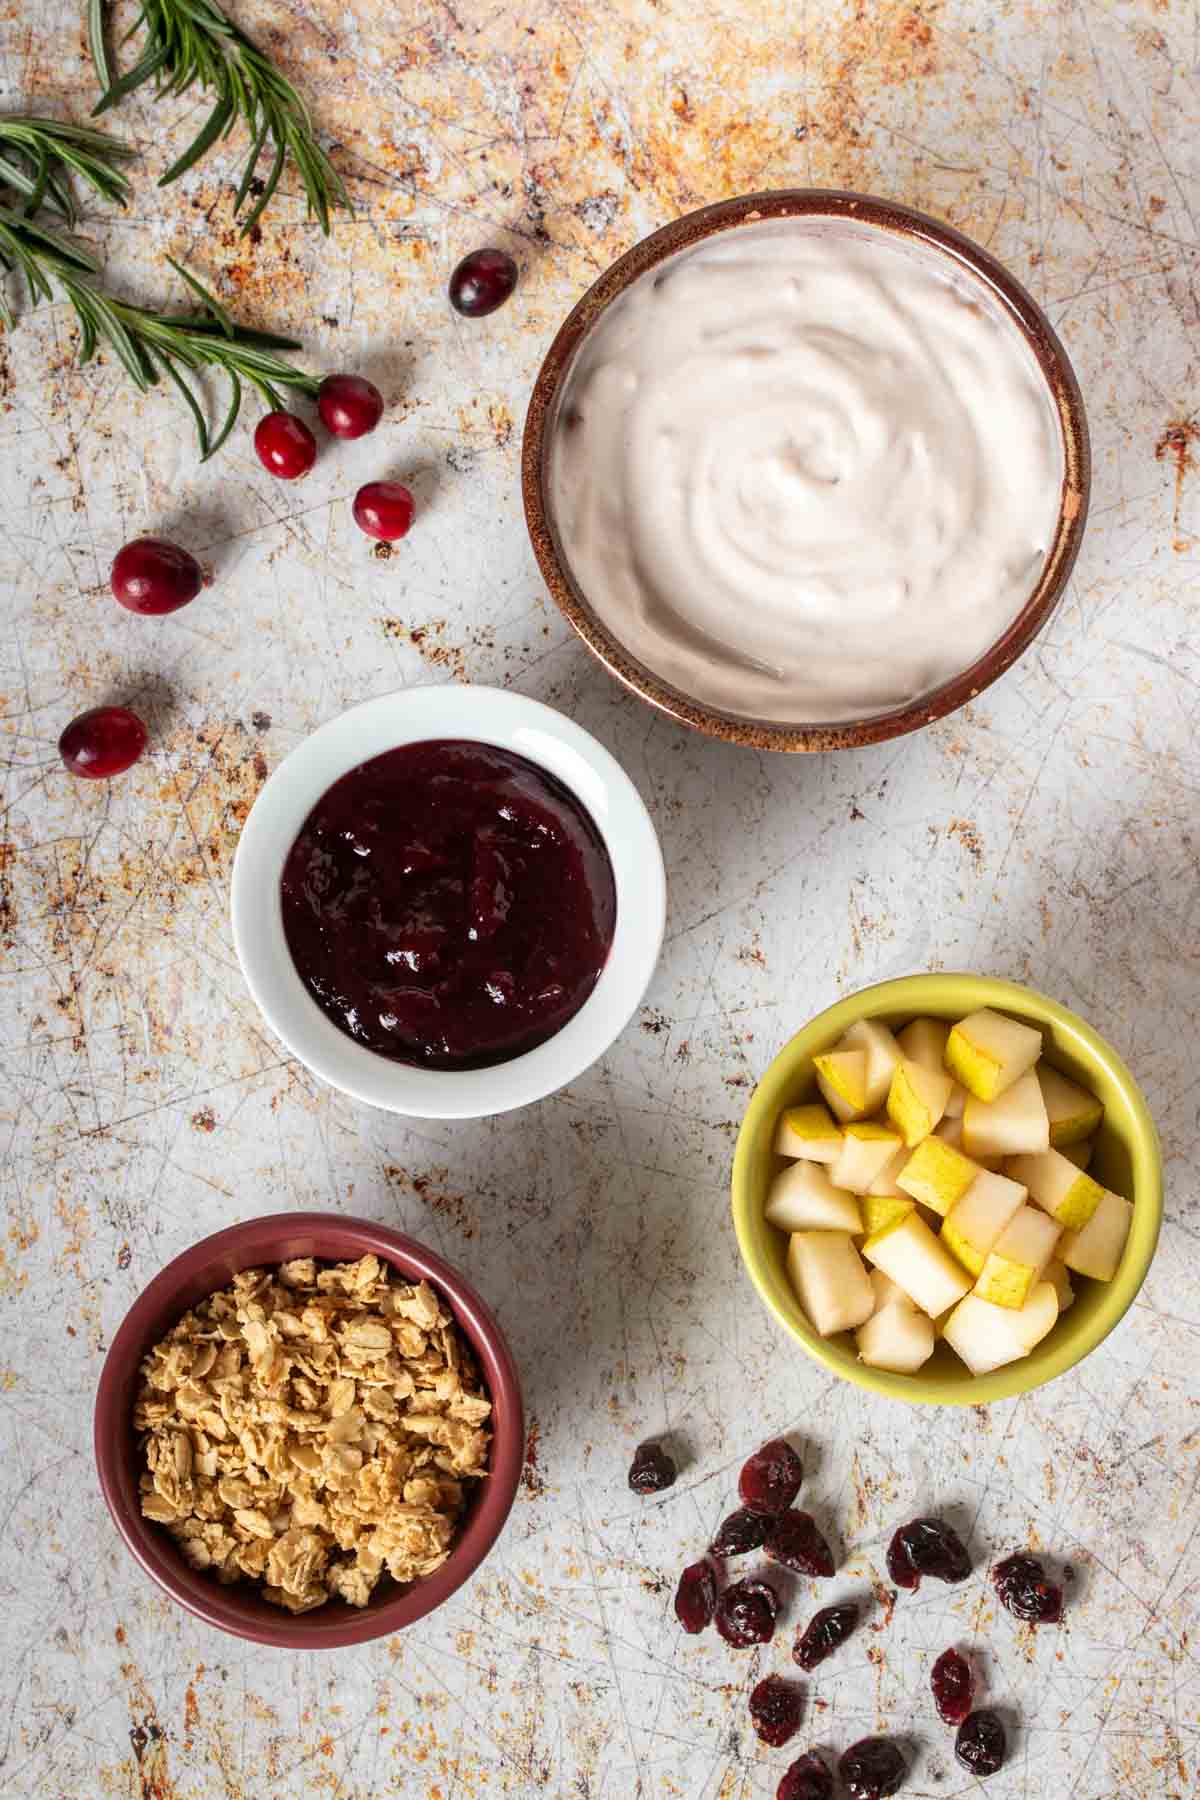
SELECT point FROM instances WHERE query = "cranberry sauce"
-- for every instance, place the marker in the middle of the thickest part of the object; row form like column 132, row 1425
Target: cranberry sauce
column 449, row 904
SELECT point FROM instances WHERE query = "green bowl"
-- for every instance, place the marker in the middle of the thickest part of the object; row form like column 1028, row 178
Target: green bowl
column 1127, row 1159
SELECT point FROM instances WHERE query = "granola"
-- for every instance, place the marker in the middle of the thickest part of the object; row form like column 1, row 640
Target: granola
column 310, row 1429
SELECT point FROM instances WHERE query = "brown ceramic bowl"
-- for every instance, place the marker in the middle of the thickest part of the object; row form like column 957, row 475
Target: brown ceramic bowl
column 202, row 1270
column 682, row 234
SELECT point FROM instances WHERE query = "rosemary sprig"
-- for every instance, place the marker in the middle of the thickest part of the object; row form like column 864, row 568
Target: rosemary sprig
column 191, row 42
column 150, row 344
column 37, row 157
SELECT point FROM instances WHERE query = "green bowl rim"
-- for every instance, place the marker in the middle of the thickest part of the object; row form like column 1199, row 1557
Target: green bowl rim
column 1144, row 1149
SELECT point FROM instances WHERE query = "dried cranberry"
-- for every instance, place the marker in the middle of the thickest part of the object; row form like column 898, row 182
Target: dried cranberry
column 696, row 1597
column 651, row 1470
column 743, row 1530
column 746, row 1613
column 794, row 1541
column 872, row 1768
column 825, row 1632
column 927, row 1547
column 981, row 1742
column 775, row 1707
column 953, row 1686
column 770, row 1479
column 1021, row 1584
column 807, row 1779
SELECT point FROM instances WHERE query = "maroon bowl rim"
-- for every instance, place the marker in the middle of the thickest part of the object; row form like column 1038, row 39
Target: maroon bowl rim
column 203, row 1269
column 690, row 229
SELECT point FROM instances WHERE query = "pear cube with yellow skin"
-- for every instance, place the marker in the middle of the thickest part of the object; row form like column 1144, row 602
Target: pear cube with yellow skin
column 916, row 1100
column 910, row 1253
column 1017, row 1258
column 880, row 1211
column 884, row 1184
column 976, row 1224
column 1080, row 1154
column 952, row 1131
column 1059, row 1188
column 830, row 1281
column 842, row 1079
column 898, row 1338
column 987, row 1336
column 1059, row 1277
column 924, row 1041
column 882, row 1052
column 867, row 1148
column 1097, row 1248
column 1014, row 1125
column 803, row 1198
column 1073, row 1112
column 808, row 1132
column 937, row 1174
column 988, row 1052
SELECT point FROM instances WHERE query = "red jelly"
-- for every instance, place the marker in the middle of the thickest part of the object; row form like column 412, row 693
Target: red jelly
column 449, row 904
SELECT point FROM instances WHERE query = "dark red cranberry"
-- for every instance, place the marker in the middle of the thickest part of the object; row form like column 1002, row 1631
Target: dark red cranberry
column 482, row 282
column 953, row 1686
column 285, row 445
column 349, row 406
column 927, row 1547
column 383, row 509
column 746, row 1613
column 825, row 1632
column 696, row 1597
column 775, row 1708
column 806, row 1779
column 770, row 1479
column 794, row 1541
column 872, row 1769
column 742, row 1531
column 106, row 741
column 651, row 1470
column 151, row 575
column 981, row 1742
column 1021, row 1584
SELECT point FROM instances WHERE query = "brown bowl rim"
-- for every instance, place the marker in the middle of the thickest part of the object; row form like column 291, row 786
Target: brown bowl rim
column 202, row 1269
column 691, row 228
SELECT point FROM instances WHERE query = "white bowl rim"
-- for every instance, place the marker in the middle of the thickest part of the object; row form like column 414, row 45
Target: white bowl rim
column 412, row 715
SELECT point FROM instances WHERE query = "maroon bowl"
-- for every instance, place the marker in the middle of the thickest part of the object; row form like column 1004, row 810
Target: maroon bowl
column 210, row 1265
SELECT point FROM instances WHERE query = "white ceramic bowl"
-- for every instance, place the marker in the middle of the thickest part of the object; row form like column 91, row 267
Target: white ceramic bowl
column 415, row 715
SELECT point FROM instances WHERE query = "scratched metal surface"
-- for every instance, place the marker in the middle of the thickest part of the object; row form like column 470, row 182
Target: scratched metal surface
column 1048, row 833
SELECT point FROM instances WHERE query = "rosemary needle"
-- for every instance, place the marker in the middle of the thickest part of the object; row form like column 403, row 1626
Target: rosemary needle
column 37, row 156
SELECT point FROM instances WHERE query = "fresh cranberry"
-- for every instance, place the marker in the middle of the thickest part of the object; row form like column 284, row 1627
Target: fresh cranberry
column 927, row 1547
column 794, row 1541
column 482, row 282
column 1021, row 1584
column 953, row 1686
column 742, row 1531
column 651, row 1470
column 106, row 741
column 151, row 575
column 775, row 1707
column 826, row 1632
column 806, row 1779
column 349, row 405
column 383, row 509
column 285, row 445
column 770, row 1479
column 696, row 1597
column 981, row 1743
column 872, row 1769
column 746, row 1613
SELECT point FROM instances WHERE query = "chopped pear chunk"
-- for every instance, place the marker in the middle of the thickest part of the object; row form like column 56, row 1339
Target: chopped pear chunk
column 842, row 1079
column 899, row 1338
column 808, row 1131
column 987, row 1336
column 924, row 1041
column 916, row 1100
column 1057, row 1274
column 1097, row 1248
column 1017, row 1258
column 1073, row 1112
column 937, row 1174
column 987, row 1052
column 883, row 1053
column 981, row 1217
column 886, row 1292
column 910, row 1253
column 884, row 1184
column 831, row 1283
column 880, row 1211
column 1009, row 1126
column 1059, row 1188
column 867, row 1148
column 802, row 1198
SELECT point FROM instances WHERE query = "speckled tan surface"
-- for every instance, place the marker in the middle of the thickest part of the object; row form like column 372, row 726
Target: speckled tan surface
column 1048, row 833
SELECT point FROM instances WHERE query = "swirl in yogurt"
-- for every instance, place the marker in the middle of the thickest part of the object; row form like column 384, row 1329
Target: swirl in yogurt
column 806, row 471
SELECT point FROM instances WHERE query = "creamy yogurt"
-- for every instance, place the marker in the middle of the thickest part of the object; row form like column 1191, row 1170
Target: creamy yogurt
column 806, row 471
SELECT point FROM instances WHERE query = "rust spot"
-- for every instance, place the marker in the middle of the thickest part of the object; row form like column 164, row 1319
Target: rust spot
column 124, row 1258
column 886, row 1597
column 655, row 1023
column 430, row 641
column 433, row 1192
column 382, row 552
column 8, row 906
column 1175, row 445
column 531, row 1479
column 204, row 1120
column 967, row 833
column 119, row 1634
